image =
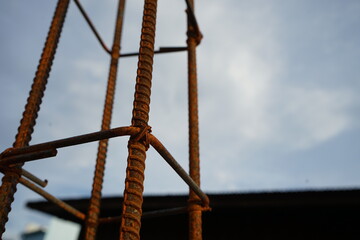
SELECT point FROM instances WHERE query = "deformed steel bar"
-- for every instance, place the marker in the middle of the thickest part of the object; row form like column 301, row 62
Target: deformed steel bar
column 66, row 142
column 150, row 214
column 26, row 157
column 28, row 121
column 160, row 51
column 137, row 146
column 95, row 199
column 35, row 179
column 195, row 211
column 91, row 25
column 52, row 199
column 159, row 147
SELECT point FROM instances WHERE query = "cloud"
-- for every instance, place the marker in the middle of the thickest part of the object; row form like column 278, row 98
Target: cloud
column 274, row 91
column 256, row 100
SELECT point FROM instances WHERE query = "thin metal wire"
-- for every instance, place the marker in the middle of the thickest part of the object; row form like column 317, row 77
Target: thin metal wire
column 160, row 51
column 150, row 214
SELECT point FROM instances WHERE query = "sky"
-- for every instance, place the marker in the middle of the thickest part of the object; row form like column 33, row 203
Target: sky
column 279, row 105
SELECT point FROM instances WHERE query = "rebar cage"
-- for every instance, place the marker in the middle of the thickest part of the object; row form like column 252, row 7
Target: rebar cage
column 12, row 159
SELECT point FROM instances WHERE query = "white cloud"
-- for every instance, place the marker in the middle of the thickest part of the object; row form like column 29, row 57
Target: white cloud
column 257, row 104
column 251, row 105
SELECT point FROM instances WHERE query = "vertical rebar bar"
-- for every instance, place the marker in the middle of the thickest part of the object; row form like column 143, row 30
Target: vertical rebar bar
column 23, row 137
column 195, row 221
column 137, row 146
column 95, row 200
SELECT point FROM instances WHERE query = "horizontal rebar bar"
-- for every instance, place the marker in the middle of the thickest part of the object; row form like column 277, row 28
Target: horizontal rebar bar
column 52, row 199
column 35, row 179
column 150, row 214
column 91, row 25
column 66, row 142
column 161, row 50
column 28, row 156
column 178, row 169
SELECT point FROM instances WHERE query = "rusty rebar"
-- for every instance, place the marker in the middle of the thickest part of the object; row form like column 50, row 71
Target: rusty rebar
column 159, row 147
column 94, row 206
column 66, row 142
column 195, row 212
column 137, row 146
column 192, row 20
column 35, row 179
column 92, row 27
column 52, row 199
column 26, row 157
column 23, row 137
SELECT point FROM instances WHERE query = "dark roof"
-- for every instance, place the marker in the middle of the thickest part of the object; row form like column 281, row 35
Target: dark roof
column 314, row 214
column 315, row 198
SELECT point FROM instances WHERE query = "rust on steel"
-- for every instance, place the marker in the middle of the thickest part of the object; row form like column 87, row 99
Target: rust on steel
column 194, row 205
column 66, row 142
column 52, row 199
column 23, row 137
column 95, row 200
column 26, row 157
column 35, row 179
column 159, row 147
column 92, row 27
column 138, row 144
column 192, row 20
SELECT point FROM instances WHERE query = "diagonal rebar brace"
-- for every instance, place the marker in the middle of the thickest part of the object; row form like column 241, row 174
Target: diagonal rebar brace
column 23, row 137
column 159, row 147
column 94, row 206
column 134, row 182
column 92, row 27
column 52, row 199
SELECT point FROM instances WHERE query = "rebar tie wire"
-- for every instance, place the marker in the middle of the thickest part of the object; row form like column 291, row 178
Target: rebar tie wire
column 12, row 159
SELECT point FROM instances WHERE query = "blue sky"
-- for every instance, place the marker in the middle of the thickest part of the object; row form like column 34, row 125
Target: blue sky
column 278, row 95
